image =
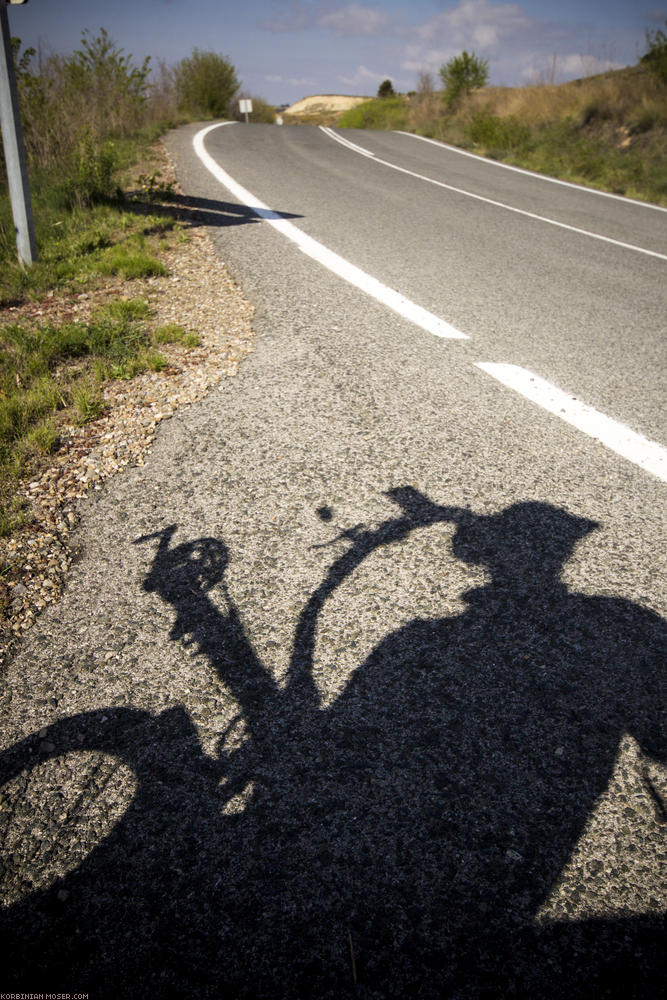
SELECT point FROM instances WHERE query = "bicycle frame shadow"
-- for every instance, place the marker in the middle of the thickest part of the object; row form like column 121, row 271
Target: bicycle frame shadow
column 401, row 841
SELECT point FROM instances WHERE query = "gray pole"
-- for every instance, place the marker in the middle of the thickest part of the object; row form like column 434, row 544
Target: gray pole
column 12, row 139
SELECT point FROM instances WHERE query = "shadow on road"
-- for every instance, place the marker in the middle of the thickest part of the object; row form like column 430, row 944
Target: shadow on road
column 196, row 212
column 396, row 844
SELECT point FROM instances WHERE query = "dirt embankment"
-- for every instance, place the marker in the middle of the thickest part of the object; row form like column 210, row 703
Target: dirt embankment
column 320, row 109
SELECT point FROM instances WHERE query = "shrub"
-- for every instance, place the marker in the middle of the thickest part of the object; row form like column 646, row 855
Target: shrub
column 205, row 84
column 380, row 113
column 462, row 74
column 87, row 98
column 655, row 57
column 92, row 173
column 497, row 135
column 597, row 110
column 261, row 110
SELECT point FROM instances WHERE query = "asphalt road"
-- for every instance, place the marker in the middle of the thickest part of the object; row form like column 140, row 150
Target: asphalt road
column 380, row 639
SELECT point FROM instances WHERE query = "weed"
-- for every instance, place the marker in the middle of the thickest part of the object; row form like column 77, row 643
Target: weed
column 53, row 367
column 647, row 120
column 156, row 362
column 498, row 135
column 92, row 177
column 13, row 514
column 42, row 439
column 127, row 309
column 151, row 188
column 600, row 109
column 129, row 263
column 88, row 404
column 380, row 113
column 171, row 333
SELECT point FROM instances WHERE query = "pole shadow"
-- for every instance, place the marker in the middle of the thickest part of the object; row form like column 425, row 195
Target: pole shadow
column 195, row 212
column 396, row 844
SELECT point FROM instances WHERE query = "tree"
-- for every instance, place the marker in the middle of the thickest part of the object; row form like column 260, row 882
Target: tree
column 655, row 57
column 462, row 74
column 205, row 84
column 386, row 89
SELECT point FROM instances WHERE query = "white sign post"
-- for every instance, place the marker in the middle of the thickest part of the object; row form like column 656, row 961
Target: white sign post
column 12, row 139
column 245, row 107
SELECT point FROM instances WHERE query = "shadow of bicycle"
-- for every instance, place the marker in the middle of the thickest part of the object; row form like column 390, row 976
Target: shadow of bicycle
column 396, row 844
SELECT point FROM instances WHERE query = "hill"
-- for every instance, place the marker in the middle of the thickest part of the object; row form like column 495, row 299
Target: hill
column 320, row 109
column 608, row 131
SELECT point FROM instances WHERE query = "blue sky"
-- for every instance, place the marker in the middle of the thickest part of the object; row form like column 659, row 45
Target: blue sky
column 287, row 49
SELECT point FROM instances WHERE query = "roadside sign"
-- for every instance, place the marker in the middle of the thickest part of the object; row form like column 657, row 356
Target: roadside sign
column 245, row 107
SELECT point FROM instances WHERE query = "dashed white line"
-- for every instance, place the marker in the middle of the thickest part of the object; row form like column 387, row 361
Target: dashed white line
column 648, row 455
column 490, row 201
column 343, row 268
column 532, row 173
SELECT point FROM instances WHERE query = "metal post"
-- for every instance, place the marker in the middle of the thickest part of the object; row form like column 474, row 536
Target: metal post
column 12, row 139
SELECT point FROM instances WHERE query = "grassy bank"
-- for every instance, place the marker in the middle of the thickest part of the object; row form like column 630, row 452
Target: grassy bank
column 52, row 370
column 607, row 131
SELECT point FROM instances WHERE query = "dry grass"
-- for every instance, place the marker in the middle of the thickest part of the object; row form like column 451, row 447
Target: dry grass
column 619, row 96
column 608, row 131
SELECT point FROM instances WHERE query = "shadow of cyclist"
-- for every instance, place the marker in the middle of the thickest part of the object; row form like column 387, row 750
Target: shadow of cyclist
column 398, row 843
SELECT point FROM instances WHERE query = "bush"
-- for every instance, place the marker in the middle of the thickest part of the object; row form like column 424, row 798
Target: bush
column 497, row 135
column 92, row 173
column 462, row 74
column 261, row 110
column 380, row 113
column 205, row 84
column 655, row 57
column 93, row 95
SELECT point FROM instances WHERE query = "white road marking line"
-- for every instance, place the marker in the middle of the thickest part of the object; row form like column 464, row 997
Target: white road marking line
column 649, row 455
column 343, row 268
column 531, row 173
column 491, row 201
column 346, row 142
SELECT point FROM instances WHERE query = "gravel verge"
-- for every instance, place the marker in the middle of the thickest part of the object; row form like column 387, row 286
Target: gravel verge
column 198, row 294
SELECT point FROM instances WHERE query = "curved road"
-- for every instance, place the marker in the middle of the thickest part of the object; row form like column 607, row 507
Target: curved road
column 378, row 627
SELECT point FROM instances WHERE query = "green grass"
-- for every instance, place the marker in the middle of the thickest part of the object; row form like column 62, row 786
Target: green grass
column 607, row 132
column 171, row 333
column 95, row 234
column 567, row 150
column 50, row 370
column 379, row 113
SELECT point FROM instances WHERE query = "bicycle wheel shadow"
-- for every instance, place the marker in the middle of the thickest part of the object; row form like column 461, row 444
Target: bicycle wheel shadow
column 396, row 844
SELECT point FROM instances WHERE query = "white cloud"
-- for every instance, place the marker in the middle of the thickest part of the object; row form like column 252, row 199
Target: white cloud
column 300, row 81
column 363, row 76
column 475, row 24
column 354, row 20
column 519, row 48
